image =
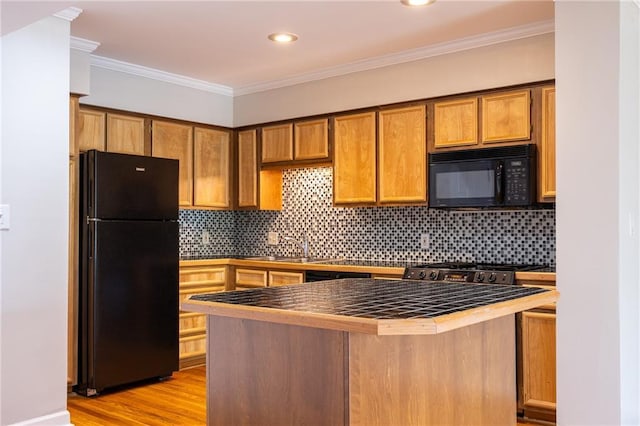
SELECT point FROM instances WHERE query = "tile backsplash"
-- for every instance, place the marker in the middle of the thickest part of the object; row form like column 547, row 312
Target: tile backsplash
column 377, row 233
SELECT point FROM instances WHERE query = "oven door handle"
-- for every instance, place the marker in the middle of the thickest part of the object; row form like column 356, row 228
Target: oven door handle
column 499, row 182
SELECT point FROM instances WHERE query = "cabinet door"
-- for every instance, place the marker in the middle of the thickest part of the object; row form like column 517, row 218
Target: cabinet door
column 250, row 278
column 402, row 155
column 277, row 278
column 506, row 117
column 277, row 143
column 91, row 130
column 311, row 140
column 247, row 169
column 548, row 145
column 172, row 140
column 211, row 158
column 354, row 159
column 125, row 134
column 539, row 360
column 456, row 123
column 195, row 280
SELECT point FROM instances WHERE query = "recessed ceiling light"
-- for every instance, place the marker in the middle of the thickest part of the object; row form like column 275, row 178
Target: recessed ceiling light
column 417, row 2
column 282, row 37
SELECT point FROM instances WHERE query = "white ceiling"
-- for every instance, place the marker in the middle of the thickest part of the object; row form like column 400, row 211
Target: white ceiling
column 225, row 42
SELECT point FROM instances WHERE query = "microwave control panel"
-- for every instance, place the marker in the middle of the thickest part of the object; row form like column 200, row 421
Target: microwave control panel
column 517, row 186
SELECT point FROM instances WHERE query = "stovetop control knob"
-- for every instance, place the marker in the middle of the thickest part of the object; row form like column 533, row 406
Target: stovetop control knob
column 433, row 275
column 480, row 277
column 422, row 274
column 492, row 277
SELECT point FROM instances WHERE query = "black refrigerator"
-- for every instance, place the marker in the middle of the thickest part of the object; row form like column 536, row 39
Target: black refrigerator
column 128, row 286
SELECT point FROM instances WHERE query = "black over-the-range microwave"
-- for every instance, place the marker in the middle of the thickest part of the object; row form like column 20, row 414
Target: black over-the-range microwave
column 487, row 177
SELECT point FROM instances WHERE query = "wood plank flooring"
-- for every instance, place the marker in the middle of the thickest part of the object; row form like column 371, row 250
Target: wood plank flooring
column 179, row 401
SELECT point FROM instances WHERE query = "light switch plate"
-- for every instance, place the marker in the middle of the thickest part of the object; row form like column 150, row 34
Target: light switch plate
column 272, row 238
column 424, row 241
column 5, row 216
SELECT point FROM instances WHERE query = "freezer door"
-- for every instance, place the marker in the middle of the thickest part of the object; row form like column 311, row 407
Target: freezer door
column 133, row 302
column 121, row 186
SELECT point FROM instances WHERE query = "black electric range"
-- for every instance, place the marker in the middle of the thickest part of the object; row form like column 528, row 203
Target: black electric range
column 470, row 272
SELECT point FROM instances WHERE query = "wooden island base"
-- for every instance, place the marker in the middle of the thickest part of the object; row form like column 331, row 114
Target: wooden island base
column 277, row 374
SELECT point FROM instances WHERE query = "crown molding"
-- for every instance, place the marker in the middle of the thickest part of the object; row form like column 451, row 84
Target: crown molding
column 84, row 44
column 69, row 13
column 154, row 74
column 496, row 37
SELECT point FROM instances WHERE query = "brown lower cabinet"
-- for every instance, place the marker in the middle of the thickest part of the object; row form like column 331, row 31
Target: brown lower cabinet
column 246, row 278
column 537, row 363
column 192, row 329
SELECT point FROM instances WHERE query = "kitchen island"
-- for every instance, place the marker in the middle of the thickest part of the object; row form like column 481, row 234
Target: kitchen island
column 362, row 351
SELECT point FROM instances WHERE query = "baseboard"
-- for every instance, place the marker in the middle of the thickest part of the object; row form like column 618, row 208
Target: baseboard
column 61, row 418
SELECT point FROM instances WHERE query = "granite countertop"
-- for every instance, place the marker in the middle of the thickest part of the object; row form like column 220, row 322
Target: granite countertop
column 383, row 307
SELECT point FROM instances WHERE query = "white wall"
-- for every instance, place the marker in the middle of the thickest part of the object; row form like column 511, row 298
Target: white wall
column 519, row 61
column 80, row 70
column 597, row 212
column 114, row 89
column 34, row 179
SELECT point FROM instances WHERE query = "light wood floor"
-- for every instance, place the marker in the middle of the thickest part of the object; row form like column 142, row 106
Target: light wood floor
column 179, row 400
column 176, row 401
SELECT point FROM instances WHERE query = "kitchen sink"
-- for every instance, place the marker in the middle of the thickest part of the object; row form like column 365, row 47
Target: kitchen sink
column 290, row 259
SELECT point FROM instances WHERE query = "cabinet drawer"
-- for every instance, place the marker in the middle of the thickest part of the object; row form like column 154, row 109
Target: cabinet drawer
column 191, row 323
column 250, row 278
column 192, row 346
column 186, row 292
column 277, row 278
column 203, row 275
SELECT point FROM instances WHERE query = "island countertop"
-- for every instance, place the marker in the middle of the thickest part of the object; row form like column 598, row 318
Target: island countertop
column 379, row 307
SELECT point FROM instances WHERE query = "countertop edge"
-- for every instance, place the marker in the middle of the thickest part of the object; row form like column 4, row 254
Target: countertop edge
column 549, row 277
column 372, row 326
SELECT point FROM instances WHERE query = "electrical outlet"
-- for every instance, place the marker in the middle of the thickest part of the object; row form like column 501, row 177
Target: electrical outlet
column 272, row 238
column 206, row 237
column 424, row 241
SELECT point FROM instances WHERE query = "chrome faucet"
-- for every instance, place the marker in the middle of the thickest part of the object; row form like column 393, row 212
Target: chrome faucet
column 304, row 244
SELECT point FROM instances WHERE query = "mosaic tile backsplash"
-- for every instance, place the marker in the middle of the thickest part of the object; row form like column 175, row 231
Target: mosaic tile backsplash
column 376, row 233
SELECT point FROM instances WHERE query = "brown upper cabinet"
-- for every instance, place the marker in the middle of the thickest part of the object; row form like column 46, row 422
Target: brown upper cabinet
column 402, row 155
column 92, row 131
column 106, row 131
column 301, row 142
column 125, row 134
column 506, row 116
column 482, row 120
column 354, row 159
column 256, row 189
column 277, row 143
column 547, row 157
column 175, row 140
column 456, row 122
column 311, row 140
column 248, row 168
column 212, row 168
